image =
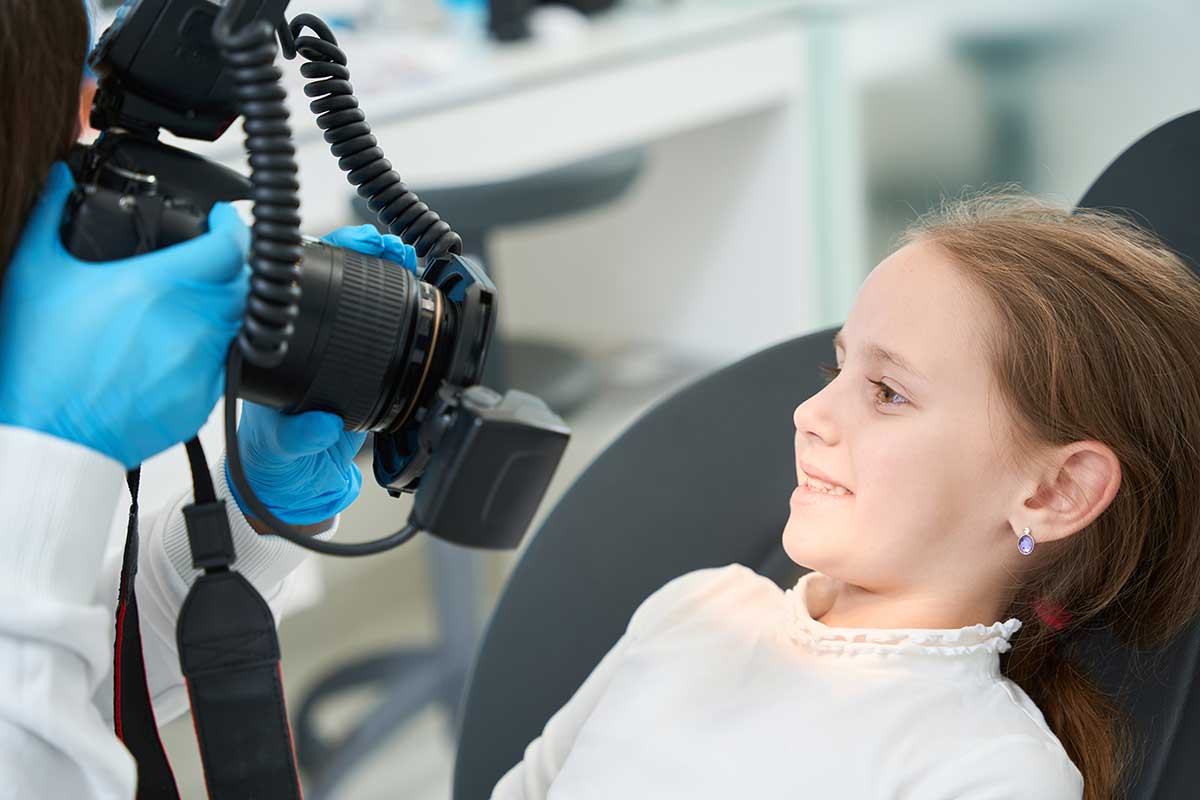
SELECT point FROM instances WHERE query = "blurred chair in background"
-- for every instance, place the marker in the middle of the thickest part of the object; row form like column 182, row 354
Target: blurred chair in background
column 412, row 678
column 1004, row 62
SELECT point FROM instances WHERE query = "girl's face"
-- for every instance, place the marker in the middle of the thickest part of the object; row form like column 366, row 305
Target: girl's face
column 918, row 437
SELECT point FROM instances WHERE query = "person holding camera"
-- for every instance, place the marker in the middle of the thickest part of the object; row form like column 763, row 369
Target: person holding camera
column 102, row 366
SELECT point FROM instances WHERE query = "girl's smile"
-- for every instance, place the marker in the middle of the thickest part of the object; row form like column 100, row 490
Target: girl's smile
column 806, row 492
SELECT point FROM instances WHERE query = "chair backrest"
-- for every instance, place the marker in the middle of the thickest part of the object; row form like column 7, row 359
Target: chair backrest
column 703, row 479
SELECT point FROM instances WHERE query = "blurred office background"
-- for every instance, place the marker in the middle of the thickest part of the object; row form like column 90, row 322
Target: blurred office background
column 674, row 185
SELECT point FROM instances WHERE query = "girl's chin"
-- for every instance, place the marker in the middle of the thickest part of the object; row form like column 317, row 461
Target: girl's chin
column 806, row 544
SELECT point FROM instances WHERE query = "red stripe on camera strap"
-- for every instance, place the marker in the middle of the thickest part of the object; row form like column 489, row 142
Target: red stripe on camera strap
column 133, row 713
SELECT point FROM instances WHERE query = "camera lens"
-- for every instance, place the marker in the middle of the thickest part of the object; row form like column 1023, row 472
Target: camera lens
column 372, row 343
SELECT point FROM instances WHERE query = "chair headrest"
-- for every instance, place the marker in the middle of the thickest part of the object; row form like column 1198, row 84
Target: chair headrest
column 1156, row 182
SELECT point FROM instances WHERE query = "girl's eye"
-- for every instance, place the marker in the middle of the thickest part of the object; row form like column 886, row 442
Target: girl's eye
column 888, row 394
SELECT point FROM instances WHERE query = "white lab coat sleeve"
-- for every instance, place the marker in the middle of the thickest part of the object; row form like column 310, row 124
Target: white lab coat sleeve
column 165, row 574
column 57, row 500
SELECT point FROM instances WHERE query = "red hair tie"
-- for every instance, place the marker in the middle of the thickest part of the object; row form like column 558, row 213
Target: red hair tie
column 1054, row 615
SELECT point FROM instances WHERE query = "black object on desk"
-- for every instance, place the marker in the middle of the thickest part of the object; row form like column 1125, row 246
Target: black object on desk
column 508, row 20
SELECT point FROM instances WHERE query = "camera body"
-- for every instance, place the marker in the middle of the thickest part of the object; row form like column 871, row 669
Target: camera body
column 134, row 195
column 390, row 352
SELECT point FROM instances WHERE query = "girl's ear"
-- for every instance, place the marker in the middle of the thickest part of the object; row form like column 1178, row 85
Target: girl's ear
column 1080, row 481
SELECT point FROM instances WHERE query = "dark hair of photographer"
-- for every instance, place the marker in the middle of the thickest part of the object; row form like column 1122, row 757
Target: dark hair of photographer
column 42, row 47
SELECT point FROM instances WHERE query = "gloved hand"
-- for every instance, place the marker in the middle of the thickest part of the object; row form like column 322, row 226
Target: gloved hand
column 301, row 466
column 125, row 357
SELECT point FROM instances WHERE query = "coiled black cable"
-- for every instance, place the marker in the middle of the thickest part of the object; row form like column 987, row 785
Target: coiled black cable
column 233, row 459
column 274, row 301
column 351, row 142
column 276, row 249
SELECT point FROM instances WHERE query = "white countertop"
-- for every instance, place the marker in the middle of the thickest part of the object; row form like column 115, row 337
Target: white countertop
column 399, row 75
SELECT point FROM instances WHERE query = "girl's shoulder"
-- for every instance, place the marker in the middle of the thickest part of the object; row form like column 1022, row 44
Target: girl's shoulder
column 725, row 591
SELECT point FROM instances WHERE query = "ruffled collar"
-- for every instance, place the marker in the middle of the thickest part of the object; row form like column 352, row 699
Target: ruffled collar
column 814, row 591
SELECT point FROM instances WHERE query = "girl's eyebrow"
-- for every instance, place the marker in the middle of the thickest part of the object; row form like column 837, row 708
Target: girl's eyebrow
column 880, row 353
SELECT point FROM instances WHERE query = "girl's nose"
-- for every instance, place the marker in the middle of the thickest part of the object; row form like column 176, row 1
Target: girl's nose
column 815, row 416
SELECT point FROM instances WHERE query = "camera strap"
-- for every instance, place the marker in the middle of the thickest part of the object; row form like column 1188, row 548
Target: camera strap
column 229, row 655
column 133, row 715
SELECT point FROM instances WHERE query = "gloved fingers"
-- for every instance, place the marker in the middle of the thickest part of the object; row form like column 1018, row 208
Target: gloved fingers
column 232, row 295
column 46, row 217
column 394, row 249
column 348, row 445
column 365, row 239
column 307, row 434
column 225, row 217
column 215, row 256
column 219, row 303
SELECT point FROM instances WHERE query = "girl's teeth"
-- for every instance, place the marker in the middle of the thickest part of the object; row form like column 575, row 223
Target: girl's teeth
column 826, row 488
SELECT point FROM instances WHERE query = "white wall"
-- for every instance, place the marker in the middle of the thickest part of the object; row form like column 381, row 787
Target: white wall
column 676, row 261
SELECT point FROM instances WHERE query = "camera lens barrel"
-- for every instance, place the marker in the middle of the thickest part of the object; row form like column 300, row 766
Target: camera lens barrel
column 371, row 341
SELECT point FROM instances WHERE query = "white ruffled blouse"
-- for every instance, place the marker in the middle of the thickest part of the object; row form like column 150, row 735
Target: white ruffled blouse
column 813, row 595
column 725, row 687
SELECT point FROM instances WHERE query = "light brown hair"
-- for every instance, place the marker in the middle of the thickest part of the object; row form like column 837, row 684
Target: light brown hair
column 1099, row 338
column 42, row 47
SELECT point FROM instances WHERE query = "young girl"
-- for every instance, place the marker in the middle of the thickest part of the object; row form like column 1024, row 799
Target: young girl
column 1005, row 455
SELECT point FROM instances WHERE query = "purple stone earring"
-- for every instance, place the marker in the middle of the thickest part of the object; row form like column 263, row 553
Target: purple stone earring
column 1025, row 543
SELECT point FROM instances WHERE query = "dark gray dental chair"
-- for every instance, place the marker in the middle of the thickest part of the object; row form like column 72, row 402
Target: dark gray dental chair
column 703, row 479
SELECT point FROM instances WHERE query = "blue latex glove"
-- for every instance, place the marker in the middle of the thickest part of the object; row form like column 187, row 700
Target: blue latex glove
column 301, row 466
column 125, row 357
